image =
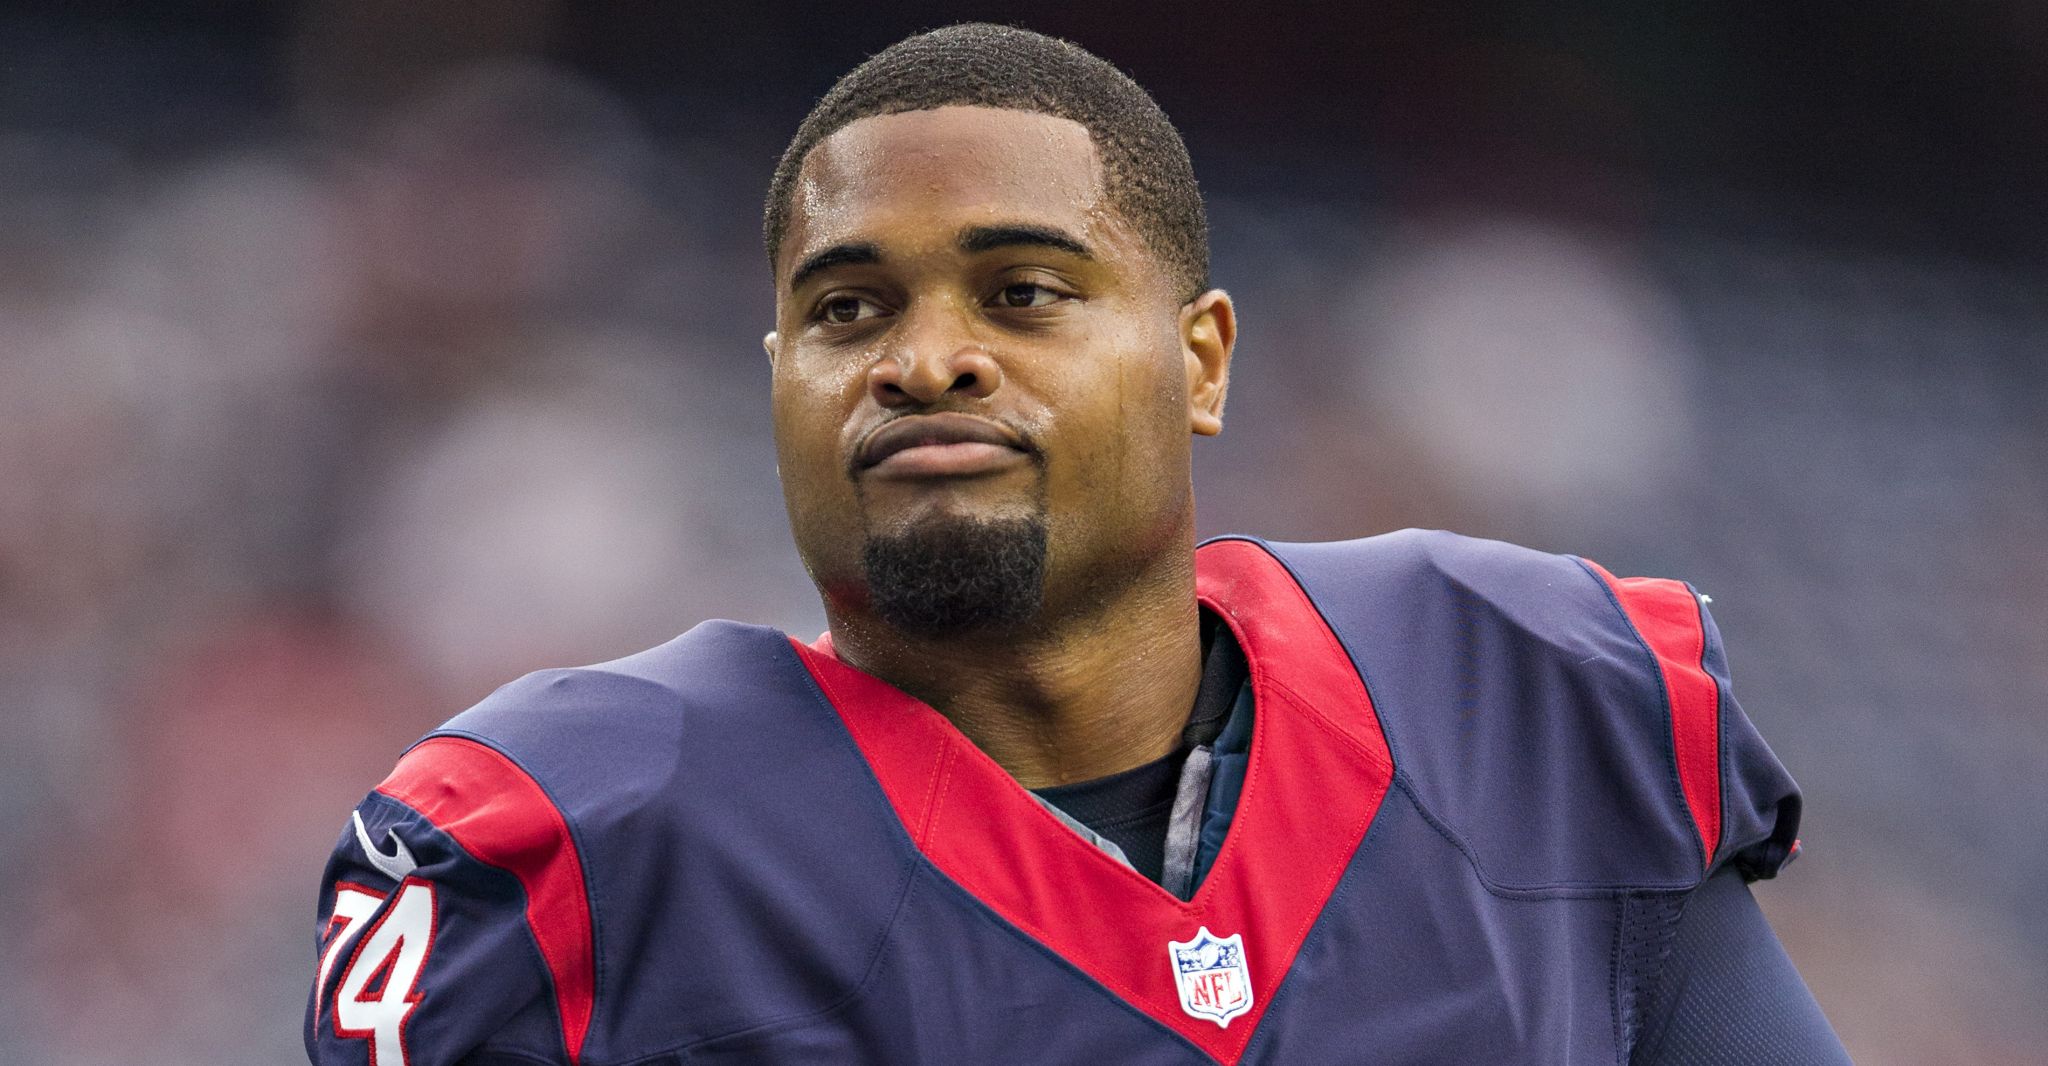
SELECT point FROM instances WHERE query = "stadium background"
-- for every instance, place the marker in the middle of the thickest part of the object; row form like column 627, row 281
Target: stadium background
column 358, row 356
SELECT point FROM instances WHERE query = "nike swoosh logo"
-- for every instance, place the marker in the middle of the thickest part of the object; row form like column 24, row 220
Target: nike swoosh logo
column 398, row 865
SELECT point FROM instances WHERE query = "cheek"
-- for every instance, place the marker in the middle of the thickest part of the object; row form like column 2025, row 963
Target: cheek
column 1152, row 391
column 831, row 376
column 806, row 422
column 1129, row 424
column 812, row 399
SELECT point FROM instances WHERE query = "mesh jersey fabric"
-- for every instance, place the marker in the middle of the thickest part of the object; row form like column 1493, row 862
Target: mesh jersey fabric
column 1131, row 809
column 1725, row 993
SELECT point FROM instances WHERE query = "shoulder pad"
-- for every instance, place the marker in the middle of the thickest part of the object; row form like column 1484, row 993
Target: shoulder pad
column 1535, row 721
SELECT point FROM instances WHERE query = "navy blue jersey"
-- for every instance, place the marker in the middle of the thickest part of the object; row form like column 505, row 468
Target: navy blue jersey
column 1482, row 782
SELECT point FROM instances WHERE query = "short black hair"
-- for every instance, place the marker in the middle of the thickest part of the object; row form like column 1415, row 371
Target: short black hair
column 1145, row 166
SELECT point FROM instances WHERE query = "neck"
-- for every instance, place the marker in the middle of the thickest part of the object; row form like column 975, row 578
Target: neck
column 1079, row 695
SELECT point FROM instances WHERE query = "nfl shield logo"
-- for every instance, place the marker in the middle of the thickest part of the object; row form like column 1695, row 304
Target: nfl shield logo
column 1212, row 977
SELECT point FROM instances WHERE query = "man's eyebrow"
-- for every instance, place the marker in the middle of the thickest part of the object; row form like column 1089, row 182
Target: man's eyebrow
column 837, row 255
column 989, row 238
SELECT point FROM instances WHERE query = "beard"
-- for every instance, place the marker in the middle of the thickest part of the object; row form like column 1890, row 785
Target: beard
column 950, row 576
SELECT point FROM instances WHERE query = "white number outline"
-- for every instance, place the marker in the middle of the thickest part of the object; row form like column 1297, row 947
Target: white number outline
column 352, row 904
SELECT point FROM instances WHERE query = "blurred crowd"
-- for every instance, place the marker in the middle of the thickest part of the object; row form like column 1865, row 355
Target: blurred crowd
column 315, row 435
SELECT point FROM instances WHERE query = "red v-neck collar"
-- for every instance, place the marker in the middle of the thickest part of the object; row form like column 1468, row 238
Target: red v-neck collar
column 1319, row 768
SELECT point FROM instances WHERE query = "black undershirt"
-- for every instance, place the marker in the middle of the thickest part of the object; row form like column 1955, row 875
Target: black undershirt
column 1132, row 809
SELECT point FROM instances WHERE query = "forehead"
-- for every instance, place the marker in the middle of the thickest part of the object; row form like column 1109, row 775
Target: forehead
column 943, row 168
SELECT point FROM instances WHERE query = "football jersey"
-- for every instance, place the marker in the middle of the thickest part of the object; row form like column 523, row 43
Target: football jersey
column 1481, row 782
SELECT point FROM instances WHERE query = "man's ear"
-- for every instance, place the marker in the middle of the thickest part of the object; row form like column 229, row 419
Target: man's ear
column 769, row 344
column 1208, row 331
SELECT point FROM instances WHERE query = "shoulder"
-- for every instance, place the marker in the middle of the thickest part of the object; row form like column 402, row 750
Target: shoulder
column 1567, row 727
column 576, row 816
column 596, row 740
column 1459, row 605
column 1544, row 594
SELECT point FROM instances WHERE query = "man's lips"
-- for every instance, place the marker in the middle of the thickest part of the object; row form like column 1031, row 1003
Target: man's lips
column 939, row 445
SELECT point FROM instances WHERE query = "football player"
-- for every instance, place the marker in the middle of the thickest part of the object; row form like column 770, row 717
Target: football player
column 1058, row 785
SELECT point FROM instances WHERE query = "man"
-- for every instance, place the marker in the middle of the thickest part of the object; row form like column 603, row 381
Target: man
column 1057, row 786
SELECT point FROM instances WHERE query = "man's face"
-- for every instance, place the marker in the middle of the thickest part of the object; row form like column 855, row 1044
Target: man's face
column 971, row 342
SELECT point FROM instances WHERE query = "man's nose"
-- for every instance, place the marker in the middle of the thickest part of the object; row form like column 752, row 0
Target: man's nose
column 929, row 361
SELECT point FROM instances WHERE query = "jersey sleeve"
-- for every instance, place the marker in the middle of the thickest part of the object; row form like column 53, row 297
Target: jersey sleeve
column 453, row 923
column 1743, row 806
column 1723, row 991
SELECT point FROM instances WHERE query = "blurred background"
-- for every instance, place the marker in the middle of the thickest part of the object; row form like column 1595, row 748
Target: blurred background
column 357, row 357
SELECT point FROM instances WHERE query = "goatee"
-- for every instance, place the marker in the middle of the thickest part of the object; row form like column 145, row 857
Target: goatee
column 952, row 576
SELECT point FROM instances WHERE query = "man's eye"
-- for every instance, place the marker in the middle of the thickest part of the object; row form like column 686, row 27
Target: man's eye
column 844, row 309
column 1025, row 294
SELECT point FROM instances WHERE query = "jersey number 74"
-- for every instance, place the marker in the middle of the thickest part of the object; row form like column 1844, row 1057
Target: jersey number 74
column 376, row 994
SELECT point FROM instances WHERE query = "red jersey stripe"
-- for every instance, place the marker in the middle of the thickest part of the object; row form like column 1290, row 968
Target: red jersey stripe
column 1667, row 615
column 502, row 818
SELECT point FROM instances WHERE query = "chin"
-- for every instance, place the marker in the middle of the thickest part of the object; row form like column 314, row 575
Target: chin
column 942, row 510
column 952, row 574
